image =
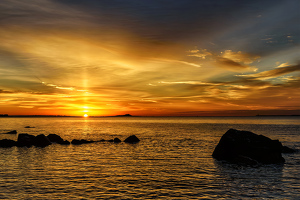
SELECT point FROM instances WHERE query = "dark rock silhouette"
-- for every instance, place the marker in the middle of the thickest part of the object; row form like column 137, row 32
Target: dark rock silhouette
column 132, row 139
column 7, row 143
column 64, row 142
column 286, row 149
column 245, row 147
column 29, row 127
column 41, row 141
column 117, row 140
column 57, row 139
column 82, row 141
column 25, row 139
column 54, row 138
column 11, row 132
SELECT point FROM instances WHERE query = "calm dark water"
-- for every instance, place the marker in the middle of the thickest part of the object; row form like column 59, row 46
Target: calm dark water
column 172, row 161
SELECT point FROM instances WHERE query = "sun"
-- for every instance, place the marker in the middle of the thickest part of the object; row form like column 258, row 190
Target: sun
column 85, row 115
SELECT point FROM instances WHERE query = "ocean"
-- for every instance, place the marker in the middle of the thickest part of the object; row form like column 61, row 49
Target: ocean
column 172, row 160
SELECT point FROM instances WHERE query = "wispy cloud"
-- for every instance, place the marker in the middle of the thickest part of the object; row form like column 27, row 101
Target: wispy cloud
column 273, row 73
column 234, row 61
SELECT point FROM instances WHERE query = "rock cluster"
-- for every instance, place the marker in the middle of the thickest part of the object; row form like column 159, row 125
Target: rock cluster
column 245, row 147
column 26, row 140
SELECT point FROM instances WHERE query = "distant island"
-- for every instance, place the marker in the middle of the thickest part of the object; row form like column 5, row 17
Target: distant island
column 126, row 115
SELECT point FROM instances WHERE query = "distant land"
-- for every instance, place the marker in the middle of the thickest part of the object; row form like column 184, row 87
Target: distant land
column 6, row 115
column 129, row 115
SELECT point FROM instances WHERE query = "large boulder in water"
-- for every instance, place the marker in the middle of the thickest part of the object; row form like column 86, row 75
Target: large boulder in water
column 245, row 147
column 132, row 139
column 25, row 139
column 41, row 141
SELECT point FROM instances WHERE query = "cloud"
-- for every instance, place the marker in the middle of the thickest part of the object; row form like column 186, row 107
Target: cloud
column 273, row 73
column 283, row 65
column 6, row 92
column 232, row 65
column 233, row 61
column 200, row 53
column 239, row 57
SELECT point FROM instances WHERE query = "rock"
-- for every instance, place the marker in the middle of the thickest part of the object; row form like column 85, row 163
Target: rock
column 29, row 127
column 117, row 140
column 64, row 142
column 286, row 149
column 82, row 141
column 57, row 139
column 25, row 139
column 54, row 138
column 75, row 141
column 245, row 147
column 132, row 139
column 7, row 143
column 11, row 132
column 41, row 141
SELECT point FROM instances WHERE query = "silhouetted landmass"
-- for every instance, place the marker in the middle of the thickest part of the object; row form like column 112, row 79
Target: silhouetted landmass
column 126, row 115
column 3, row 115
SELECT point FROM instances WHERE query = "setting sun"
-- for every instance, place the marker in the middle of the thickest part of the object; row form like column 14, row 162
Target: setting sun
column 85, row 115
column 120, row 61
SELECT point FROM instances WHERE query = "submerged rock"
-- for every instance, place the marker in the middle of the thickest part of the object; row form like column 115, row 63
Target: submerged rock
column 132, row 139
column 245, row 147
column 7, row 143
column 29, row 127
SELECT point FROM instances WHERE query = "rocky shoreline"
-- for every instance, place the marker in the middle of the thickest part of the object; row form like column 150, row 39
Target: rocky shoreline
column 41, row 140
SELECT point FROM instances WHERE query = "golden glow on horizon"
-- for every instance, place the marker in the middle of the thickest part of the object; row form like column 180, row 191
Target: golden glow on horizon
column 85, row 115
column 86, row 70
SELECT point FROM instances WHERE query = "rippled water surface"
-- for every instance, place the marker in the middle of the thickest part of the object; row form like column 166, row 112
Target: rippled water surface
column 172, row 161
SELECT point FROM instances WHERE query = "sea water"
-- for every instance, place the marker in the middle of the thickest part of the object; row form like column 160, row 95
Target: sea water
column 172, row 161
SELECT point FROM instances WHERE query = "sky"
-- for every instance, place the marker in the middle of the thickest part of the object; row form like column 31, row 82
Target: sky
column 150, row 57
